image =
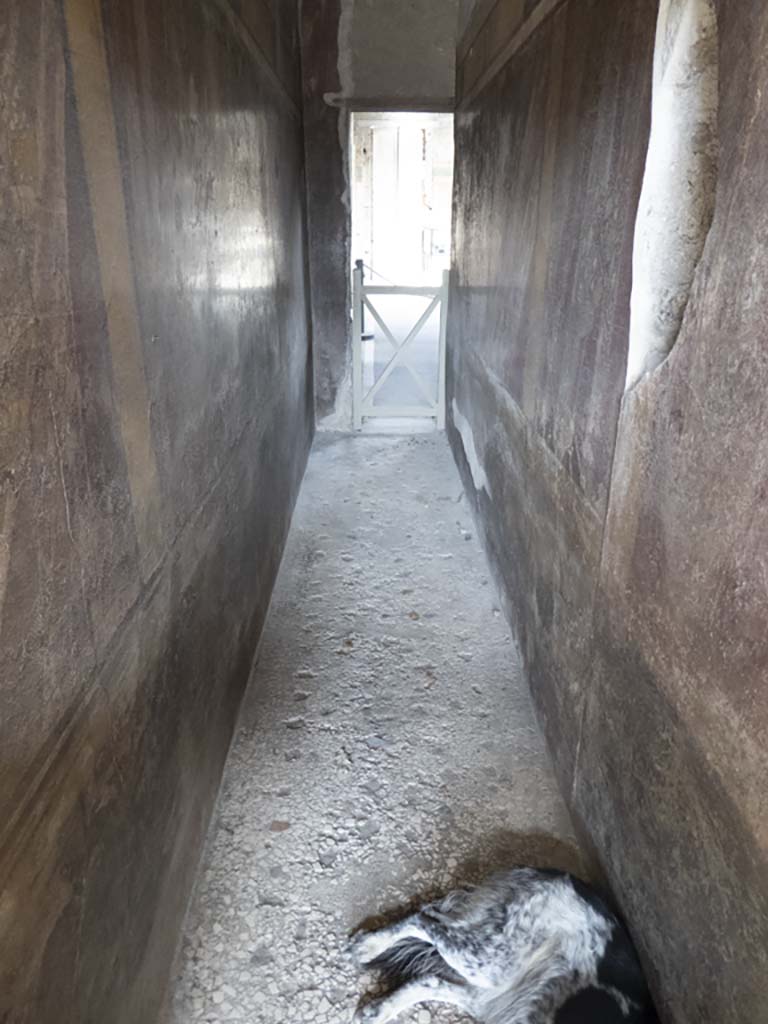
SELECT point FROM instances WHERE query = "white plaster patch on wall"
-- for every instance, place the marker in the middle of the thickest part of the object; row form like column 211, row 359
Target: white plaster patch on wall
column 479, row 479
column 341, row 417
column 678, row 195
column 347, row 82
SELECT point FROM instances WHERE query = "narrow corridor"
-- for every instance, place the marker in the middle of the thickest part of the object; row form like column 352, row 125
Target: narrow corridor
column 387, row 746
column 185, row 194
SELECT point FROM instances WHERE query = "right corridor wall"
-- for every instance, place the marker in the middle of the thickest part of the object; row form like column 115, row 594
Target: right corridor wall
column 629, row 529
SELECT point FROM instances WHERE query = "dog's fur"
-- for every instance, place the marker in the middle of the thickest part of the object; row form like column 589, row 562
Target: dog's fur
column 528, row 947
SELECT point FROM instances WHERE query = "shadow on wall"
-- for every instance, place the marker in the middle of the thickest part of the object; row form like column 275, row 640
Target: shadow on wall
column 500, row 851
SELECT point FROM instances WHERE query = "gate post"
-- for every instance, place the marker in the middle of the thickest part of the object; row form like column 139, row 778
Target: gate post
column 442, row 356
column 357, row 346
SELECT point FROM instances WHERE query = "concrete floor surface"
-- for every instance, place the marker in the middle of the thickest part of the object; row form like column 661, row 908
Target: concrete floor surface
column 387, row 746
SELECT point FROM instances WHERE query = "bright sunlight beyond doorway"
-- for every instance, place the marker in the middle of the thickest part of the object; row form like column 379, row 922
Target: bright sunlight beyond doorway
column 402, row 177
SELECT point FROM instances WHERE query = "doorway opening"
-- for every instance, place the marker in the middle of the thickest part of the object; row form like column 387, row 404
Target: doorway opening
column 402, row 175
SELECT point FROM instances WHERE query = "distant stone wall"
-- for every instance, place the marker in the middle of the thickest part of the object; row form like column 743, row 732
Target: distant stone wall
column 394, row 56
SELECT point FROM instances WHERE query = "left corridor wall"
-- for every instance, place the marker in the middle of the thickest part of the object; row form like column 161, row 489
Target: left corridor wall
column 155, row 419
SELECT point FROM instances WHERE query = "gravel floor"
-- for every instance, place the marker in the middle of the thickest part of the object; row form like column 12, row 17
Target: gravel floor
column 387, row 747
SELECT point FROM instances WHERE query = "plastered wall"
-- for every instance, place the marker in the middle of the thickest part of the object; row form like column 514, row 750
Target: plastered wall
column 155, row 418
column 628, row 530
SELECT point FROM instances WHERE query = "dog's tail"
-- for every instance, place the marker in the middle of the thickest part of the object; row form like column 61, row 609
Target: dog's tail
column 410, row 959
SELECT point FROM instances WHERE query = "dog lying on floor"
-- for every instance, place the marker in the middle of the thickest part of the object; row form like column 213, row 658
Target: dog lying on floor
column 527, row 947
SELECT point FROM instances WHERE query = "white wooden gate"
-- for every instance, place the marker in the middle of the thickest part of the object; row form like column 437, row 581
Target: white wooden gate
column 365, row 393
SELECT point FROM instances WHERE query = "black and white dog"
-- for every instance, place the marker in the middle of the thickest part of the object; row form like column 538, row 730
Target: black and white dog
column 528, row 947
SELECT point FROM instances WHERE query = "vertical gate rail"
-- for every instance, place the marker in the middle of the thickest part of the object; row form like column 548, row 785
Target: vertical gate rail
column 363, row 400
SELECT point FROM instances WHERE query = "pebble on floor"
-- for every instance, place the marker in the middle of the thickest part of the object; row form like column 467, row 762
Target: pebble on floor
column 387, row 746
